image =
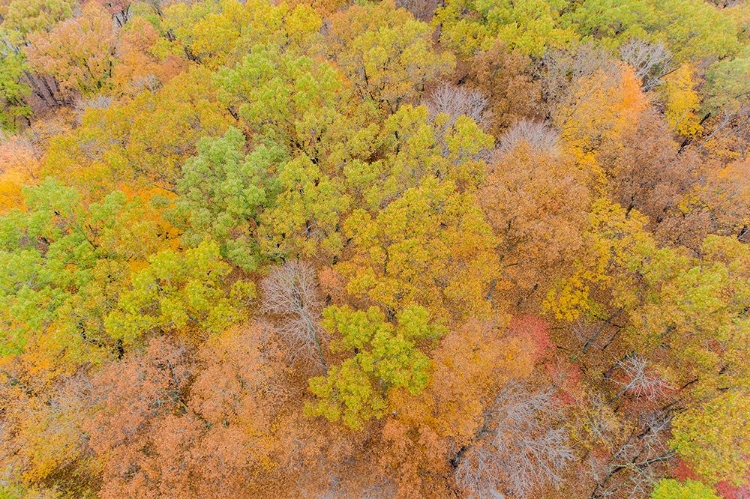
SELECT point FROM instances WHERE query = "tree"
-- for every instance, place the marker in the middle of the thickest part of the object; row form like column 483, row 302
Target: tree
column 689, row 489
column 682, row 101
column 597, row 110
column 651, row 61
column 530, row 27
column 240, row 394
column 14, row 92
column 611, row 239
column 132, row 397
column 506, row 80
column 119, row 9
column 535, row 198
column 42, row 429
column 223, row 192
column 457, row 101
column 712, row 439
column 412, row 146
column 78, row 53
column 636, row 458
column 691, row 307
column 383, row 357
column 425, row 434
column 19, row 166
column 291, row 293
column 726, row 86
column 141, row 64
column 23, row 91
column 722, row 200
column 385, row 53
column 646, row 171
column 304, row 221
column 24, row 17
column 287, row 98
column 177, row 290
column 217, row 34
column 142, row 141
column 423, row 10
column 639, row 380
column 430, row 247
column 521, row 451
column 190, row 421
column 692, row 29
column 65, row 265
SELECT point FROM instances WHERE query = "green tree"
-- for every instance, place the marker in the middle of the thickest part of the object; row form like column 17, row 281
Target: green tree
column 692, row 29
column 13, row 90
column 223, row 192
column 25, row 17
column 690, row 314
column 289, row 99
column 383, row 356
column 531, row 27
column 177, row 290
column 64, row 266
column 689, row 489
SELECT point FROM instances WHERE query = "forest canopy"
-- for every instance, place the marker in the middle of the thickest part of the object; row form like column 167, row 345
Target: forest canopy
column 375, row 249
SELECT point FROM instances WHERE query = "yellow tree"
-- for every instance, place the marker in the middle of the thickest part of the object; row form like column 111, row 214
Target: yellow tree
column 430, row 247
column 142, row 141
column 529, row 27
column 682, row 101
column 412, row 145
column 596, row 112
column 385, row 53
column 220, row 33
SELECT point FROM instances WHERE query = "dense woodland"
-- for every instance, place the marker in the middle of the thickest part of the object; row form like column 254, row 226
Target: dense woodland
column 423, row 249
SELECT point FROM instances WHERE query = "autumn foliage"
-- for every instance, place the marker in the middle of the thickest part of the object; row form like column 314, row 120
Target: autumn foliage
column 374, row 249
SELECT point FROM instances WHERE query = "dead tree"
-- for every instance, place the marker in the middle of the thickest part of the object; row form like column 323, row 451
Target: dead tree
column 291, row 294
column 458, row 101
column 539, row 137
column 651, row 61
column 639, row 380
column 520, row 449
column 637, row 463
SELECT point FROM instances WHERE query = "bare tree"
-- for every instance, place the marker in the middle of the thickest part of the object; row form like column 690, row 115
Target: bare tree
column 423, row 10
column 639, row 380
column 540, row 137
column 560, row 71
column 651, row 61
column 458, row 101
column 291, row 293
column 637, row 463
column 519, row 449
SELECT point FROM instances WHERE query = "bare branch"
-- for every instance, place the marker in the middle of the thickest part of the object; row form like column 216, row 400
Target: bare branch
column 458, row 101
column 523, row 452
column 291, row 293
column 640, row 382
column 537, row 135
column 651, row 61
